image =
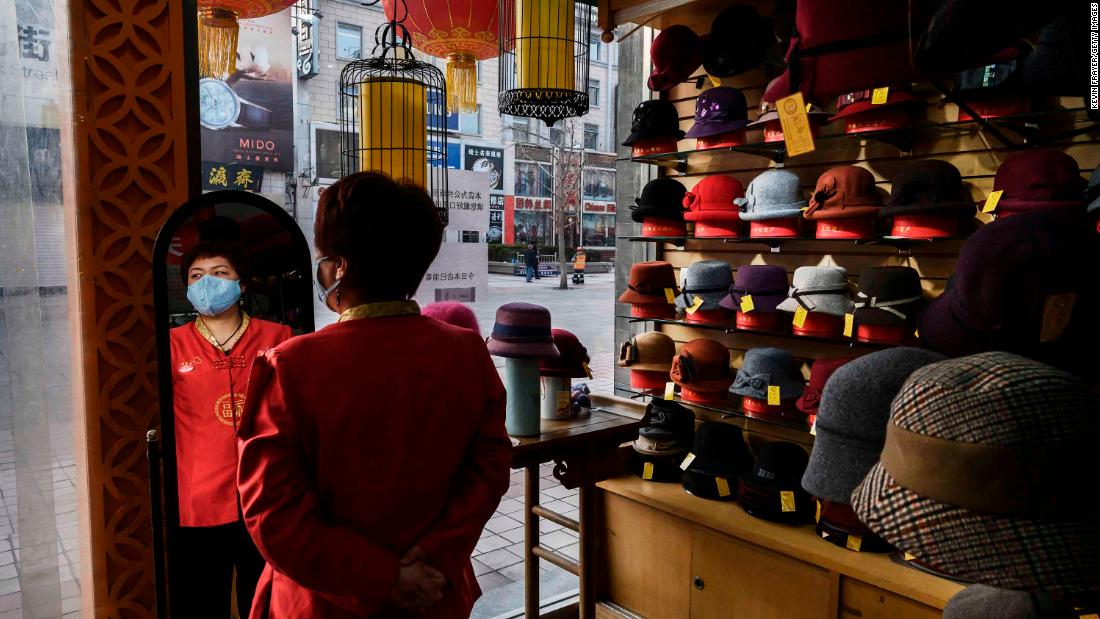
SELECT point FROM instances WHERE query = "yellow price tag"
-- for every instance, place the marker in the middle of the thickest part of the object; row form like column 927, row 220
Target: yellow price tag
column 909, row 557
column 849, row 324
column 880, row 95
column 670, row 296
column 916, row 333
column 714, row 81
column 817, row 516
column 647, row 471
column 587, row 370
column 1090, row 616
column 992, row 200
column 1057, row 311
column 793, row 118
column 813, row 427
column 854, row 542
column 688, row 459
column 786, row 501
column 670, row 391
column 773, row 395
column 800, row 315
column 723, row 486
column 696, row 305
column 564, row 401
column 746, row 304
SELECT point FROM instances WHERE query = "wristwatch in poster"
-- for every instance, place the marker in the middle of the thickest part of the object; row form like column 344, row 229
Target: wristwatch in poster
column 220, row 107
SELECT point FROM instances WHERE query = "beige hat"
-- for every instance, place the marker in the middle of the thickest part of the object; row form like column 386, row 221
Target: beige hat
column 648, row 352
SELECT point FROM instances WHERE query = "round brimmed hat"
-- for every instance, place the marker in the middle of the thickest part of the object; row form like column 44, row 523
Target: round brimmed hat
column 675, row 54
column 852, row 417
column 983, row 601
column 766, row 283
column 648, row 282
column 1040, row 180
column 819, row 289
column 986, row 474
column 719, row 451
column 654, row 119
column 661, row 197
column 772, row 490
column 844, row 192
column 769, row 367
column 453, row 313
column 703, row 366
column 820, row 372
column 739, row 40
column 860, row 102
column 770, row 113
column 522, row 331
column 719, row 110
column 666, row 419
column 837, row 523
column 775, row 194
column 651, row 351
column 712, row 200
column 572, row 360
column 889, row 296
column 928, row 186
column 709, row 280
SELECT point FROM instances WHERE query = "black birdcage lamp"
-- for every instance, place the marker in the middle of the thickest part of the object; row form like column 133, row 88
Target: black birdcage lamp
column 393, row 113
column 544, row 51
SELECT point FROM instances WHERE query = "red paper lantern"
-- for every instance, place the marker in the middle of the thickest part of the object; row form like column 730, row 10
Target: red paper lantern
column 462, row 32
column 218, row 31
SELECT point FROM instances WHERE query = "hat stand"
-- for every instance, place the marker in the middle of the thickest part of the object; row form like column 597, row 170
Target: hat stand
column 551, row 403
column 657, row 146
column 785, row 411
column 853, row 228
column 884, row 334
column 722, row 140
column 996, row 108
column 771, row 322
column 773, row 130
column 648, row 379
column 521, row 380
column 818, row 324
column 656, row 311
column 786, row 228
column 709, row 317
column 925, row 226
column 659, row 226
column 877, row 120
column 688, row 394
column 712, row 230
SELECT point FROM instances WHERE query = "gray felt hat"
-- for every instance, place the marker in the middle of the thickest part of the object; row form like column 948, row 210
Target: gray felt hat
column 775, row 194
column 819, row 289
column 983, row 601
column 709, row 279
column 852, row 418
column 767, row 367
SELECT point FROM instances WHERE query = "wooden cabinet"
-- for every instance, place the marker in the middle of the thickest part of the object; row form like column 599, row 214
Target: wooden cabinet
column 858, row 600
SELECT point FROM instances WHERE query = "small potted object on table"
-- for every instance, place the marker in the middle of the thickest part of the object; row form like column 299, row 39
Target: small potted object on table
column 571, row 362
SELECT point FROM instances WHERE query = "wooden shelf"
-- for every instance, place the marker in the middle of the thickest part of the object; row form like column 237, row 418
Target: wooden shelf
column 904, row 246
column 728, row 409
column 725, row 328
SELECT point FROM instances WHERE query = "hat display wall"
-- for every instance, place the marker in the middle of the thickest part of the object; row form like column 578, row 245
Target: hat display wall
column 655, row 124
column 710, row 205
column 453, row 313
column 720, row 456
column 718, row 112
column 649, row 357
column 660, row 208
column 663, row 441
column 675, row 55
column 772, row 490
column 645, row 292
column 702, row 370
column 845, row 193
column 572, row 360
column 522, row 331
column 852, row 418
column 773, row 204
column 984, row 475
column 1018, row 287
column 739, row 40
column 1039, row 180
column 928, row 200
column 860, row 113
column 887, row 304
column 820, row 371
column 704, row 285
column 766, row 286
column 824, row 294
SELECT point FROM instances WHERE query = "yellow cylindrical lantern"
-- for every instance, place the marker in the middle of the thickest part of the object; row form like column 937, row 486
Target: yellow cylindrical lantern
column 545, row 36
column 461, row 83
column 393, row 128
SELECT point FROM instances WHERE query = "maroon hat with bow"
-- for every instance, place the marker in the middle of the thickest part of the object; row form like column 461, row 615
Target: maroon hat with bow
column 572, row 360
column 522, row 331
column 703, row 366
column 820, row 372
column 844, row 192
column 676, row 53
column 1040, row 180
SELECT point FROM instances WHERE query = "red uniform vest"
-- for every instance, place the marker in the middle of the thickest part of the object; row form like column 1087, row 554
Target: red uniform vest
column 208, row 388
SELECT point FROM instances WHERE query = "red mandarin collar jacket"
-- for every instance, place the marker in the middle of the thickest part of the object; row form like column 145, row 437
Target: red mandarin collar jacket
column 358, row 442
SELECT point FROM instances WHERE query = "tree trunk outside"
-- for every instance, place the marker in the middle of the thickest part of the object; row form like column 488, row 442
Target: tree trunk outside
column 562, row 223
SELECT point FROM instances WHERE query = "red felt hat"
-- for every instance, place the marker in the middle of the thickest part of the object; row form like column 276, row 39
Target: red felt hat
column 861, row 102
column 820, row 372
column 844, row 192
column 570, row 363
column 676, row 53
column 703, row 366
column 453, row 313
column 1040, row 180
column 711, row 200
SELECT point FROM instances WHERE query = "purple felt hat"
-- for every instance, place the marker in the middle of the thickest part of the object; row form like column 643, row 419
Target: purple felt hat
column 453, row 313
column 766, row 283
column 1023, row 284
column 719, row 110
column 522, row 331
column 1040, row 180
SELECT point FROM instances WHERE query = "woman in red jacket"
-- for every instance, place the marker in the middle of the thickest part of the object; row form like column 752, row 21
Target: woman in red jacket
column 211, row 358
column 373, row 451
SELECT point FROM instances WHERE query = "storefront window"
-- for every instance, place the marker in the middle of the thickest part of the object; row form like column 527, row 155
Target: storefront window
column 349, row 42
column 599, row 184
column 533, row 179
column 598, row 230
column 533, row 226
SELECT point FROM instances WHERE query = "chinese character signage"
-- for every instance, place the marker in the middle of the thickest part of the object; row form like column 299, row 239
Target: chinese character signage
column 231, row 176
column 461, row 270
column 468, row 194
column 249, row 118
column 487, row 160
column 309, row 54
column 496, row 219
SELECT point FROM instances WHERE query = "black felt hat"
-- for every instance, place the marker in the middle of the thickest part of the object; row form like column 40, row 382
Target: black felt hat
column 739, row 40
column 654, row 119
column 661, row 197
column 889, row 296
column 773, row 490
column 719, row 452
column 668, row 419
column 928, row 186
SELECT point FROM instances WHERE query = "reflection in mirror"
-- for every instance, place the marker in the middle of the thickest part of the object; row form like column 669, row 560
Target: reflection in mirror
column 237, row 282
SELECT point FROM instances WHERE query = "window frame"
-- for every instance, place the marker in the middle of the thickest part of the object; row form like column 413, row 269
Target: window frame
column 339, row 55
column 594, row 101
column 596, row 131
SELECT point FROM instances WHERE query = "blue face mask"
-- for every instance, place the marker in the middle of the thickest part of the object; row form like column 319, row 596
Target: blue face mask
column 213, row 295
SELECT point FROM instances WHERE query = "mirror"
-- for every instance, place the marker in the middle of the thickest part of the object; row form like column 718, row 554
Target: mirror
column 232, row 278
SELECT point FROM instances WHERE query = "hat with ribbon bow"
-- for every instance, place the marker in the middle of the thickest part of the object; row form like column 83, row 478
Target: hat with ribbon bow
column 651, row 351
column 819, row 289
column 844, row 192
column 889, row 296
column 708, row 280
column 769, row 367
column 766, row 283
column 713, row 199
column 820, row 372
column 775, row 194
column 648, row 282
column 703, row 366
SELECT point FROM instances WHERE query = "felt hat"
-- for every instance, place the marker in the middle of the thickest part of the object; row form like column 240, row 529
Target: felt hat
column 889, row 296
column 983, row 601
column 719, row 451
column 986, row 474
column 820, row 372
column 837, row 523
column 661, row 197
column 675, row 55
column 572, row 359
column 651, row 351
column 928, row 186
column 766, row 283
column 453, row 313
column 768, row 367
column 775, row 194
column 776, row 474
column 852, row 417
column 1092, row 192
column 703, row 366
column 719, row 110
column 1043, row 180
column 666, row 419
column 844, row 192
column 522, row 331
column 654, row 119
column 739, row 40
column 861, row 102
column 819, row 289
column 1018, row 287
column 996, row 79
column 660, row 467
column 648, row 282
column 769, row 112
column 707, row 279
column 712, row 200
column 950, row 40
